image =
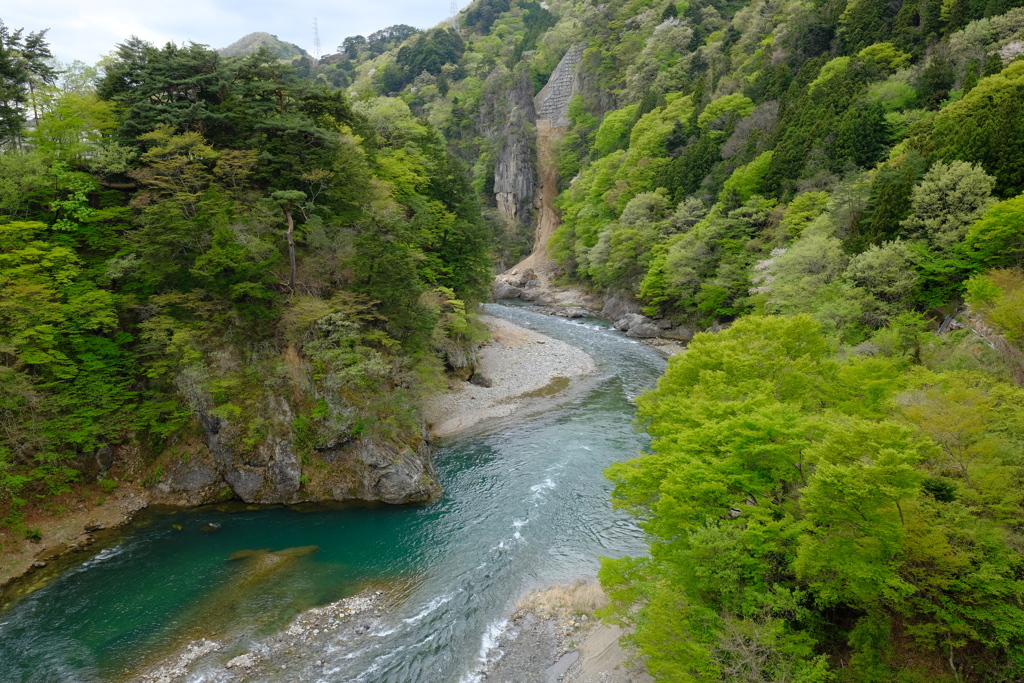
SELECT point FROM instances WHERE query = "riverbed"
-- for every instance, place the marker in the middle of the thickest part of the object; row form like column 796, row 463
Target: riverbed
column 526, row 505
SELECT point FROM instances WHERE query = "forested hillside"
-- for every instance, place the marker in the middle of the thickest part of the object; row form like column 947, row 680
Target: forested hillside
column 832, row 188
column 832, row 492
column 191, row 242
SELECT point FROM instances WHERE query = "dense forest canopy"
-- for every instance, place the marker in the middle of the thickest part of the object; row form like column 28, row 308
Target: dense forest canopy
column 832, row 492
column 181, row 227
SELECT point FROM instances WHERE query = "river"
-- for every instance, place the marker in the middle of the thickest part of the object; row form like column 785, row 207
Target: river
column 525, row 505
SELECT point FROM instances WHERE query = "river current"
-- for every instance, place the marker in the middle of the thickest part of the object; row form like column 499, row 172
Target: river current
column 526, row 505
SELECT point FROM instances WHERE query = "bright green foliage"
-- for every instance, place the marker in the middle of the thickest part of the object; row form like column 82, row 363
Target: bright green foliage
column 715, row 116
column 885, row 55
column 623, row 249
column 746, row 181
column 836, row 67
column 786, row 486
column 264, row 240
column 997, row 239
column 615, row 130
column 887, row 272
column 998, row 296
column 802, row 210
column 947, row 200
column 706, row 270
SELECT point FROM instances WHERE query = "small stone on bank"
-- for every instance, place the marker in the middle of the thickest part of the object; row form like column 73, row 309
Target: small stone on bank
column 481, row 380
column 245, row 661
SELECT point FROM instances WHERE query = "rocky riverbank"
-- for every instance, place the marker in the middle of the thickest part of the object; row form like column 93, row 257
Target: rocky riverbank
column 518, row 368
column 29, row 563
column 536, row 286
column 298, row 648
column 553, row 637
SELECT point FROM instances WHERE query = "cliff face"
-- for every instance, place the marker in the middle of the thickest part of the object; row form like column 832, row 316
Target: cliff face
column 514, row 184
column 513, row 174
column 551, row 105
column 513, row 170
column 272, row 471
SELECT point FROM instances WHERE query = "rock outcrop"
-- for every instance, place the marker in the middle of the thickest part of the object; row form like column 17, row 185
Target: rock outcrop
column 271, row 471
column 513, row 175
column 551, row 107
column 617, row 307
column 514, row 183
column 503, row 290
column 377, row 471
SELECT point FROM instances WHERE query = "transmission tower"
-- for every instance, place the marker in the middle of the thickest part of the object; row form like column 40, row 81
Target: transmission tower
column 316, row 40
column 453, row 14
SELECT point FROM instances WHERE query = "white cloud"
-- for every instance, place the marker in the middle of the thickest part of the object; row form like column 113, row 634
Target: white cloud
column 88, row 30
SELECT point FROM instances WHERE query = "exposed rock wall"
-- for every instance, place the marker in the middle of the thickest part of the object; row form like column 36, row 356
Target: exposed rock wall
column 552, row 120
column 272, row 472
column 513, row 175
column 379, row 471
column 513, row 169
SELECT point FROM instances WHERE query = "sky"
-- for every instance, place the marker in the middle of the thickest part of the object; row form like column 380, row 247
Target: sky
column 87, row 30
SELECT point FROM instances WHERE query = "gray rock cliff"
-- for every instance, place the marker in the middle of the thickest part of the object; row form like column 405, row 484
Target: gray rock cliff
column 514, row 182
column 271, row 472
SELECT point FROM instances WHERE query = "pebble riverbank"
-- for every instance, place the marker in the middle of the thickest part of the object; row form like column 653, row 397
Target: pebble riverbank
column 553, row 637
column 522, row 368
column 298, row 648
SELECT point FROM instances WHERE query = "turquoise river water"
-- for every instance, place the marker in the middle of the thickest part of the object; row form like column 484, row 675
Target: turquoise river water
column 525, row 505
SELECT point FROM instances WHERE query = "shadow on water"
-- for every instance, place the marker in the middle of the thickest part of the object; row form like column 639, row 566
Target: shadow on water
column 525, row 504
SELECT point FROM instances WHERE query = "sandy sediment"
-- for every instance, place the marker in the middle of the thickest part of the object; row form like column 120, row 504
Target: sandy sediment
column 524, row 367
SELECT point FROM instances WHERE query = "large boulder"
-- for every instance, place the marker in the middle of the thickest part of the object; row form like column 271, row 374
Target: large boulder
column 268, row 473
column 629, row 321
column 643, row 331
column 504, row 290
column 460, row 358
column 481, row 380
column 681, row 333
column 617, row 307
column 521, row 278
column 189, row 482
column 374, row 470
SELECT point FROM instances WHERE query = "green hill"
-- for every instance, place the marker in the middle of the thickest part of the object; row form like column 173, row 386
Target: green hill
column 254, row 41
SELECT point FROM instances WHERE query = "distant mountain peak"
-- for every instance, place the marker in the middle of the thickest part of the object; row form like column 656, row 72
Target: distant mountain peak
column 254, row 41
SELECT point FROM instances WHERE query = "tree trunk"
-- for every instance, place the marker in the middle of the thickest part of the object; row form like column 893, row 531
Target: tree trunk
column 291, row 246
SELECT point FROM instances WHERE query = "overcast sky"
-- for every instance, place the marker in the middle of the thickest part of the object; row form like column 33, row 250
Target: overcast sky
column 87, row 30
